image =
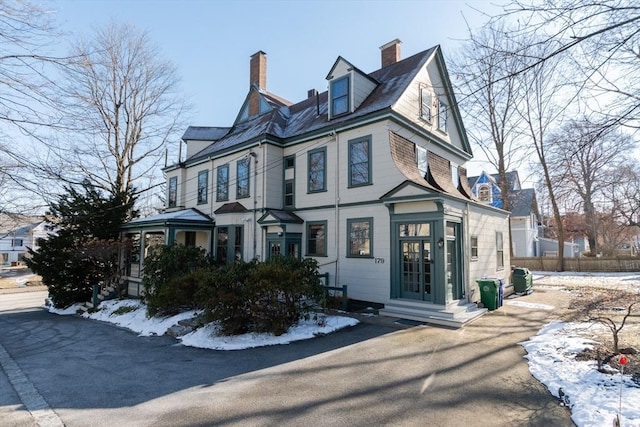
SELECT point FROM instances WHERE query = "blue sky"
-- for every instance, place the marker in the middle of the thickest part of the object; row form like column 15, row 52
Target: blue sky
column 211, row 41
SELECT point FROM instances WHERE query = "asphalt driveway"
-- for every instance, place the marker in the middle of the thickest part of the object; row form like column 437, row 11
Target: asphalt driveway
column 377, row 373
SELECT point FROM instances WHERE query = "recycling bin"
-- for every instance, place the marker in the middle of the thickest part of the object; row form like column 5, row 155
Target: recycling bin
column 489, row 289
column 522, row 281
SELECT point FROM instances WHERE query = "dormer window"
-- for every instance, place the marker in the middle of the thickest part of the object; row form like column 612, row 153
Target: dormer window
column 421, row 160
column 425, row 104
column 484, row 193
column 340, row 96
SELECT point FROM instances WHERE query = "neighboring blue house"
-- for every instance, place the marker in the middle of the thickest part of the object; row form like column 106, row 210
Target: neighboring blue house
column 524, row 210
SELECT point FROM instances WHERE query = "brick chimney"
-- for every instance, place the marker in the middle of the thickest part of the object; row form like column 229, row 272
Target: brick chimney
column 390, row 52
column 258, row 70
column 258, row 77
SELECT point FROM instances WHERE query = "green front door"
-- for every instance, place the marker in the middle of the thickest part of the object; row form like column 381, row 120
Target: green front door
column 455, row 289
column 416, row 270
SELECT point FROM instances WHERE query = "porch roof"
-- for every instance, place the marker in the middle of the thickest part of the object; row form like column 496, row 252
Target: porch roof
column 187, row 217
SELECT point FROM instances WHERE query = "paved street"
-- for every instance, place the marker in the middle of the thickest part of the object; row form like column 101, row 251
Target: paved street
column 377, row 373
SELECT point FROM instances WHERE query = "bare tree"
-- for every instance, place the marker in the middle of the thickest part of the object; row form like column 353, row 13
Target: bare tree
column 602, row 37
column 484, row 71
column 27, row 95
column 583, row 159
column 624, row 196
column 540, row 109
column 121, row 98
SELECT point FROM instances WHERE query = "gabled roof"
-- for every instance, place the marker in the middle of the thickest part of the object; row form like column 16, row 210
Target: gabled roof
column 310, row 115
column 233, row 207
column 351, row 68
column 280, row 216
column 523, row 202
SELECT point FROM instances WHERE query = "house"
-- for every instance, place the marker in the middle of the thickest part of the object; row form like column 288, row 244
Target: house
column 17, row 234
column 366, row 177
column 525, row 215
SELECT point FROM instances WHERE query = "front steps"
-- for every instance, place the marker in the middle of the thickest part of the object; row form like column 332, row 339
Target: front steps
column 454, row 315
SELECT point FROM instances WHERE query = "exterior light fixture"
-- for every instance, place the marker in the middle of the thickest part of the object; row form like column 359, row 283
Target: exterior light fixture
column 441, row 243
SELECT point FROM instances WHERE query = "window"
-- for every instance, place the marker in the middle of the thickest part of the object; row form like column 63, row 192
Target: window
column 499, row 250
column 289, row 162
column 340, row 96
column 16, row 242
column 317, row 170
column 442, row 116
column 421, row 160
column 190, row 239
column 455, row 177
column 289, row 200
column 229, row 245
column 360, row 162
column 173, row 191
column 221, row 244
column 203, row 181
column 425, row 104
column 316, row 238
column 222, row 183
column 484, row 193
column 360, row 238
column 242, row 169
column 474, row 248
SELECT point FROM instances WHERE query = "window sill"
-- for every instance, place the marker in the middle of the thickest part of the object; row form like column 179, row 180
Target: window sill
column 361, row 256
column 317, row 191
column 360, row 185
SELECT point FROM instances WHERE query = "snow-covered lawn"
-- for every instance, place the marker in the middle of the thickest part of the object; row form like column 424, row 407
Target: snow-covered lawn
column 131, row 314
column 594, row 398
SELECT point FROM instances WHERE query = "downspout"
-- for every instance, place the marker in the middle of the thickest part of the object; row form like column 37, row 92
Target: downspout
column 255, row 199
column 337, row 206
column 264, row 189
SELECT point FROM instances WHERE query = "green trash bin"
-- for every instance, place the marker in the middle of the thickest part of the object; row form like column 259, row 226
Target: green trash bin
column 489, row 292
column 522, row 281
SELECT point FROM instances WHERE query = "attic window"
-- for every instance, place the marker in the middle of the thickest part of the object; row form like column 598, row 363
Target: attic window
column 442, row 116
column 425, row 104
column 484, row 193
column 340, row 96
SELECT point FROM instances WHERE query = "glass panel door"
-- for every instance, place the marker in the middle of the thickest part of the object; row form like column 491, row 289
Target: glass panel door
column 416, row 270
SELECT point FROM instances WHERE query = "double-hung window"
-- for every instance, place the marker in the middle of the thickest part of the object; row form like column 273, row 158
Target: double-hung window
column 499, row 251
column 203, row 181
column 360, row 162
column 316, row 238
column 474, row 248
column 222, row 183
column 359, row 233
column 340, row 96
column 317, row 170
column 242, row 178
column 173, row 192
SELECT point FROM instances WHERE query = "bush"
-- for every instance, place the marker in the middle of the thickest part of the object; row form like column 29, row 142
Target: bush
column 170, row 279
column 260, row 297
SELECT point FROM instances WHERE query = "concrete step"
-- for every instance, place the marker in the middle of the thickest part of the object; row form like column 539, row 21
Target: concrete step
column 454, row 316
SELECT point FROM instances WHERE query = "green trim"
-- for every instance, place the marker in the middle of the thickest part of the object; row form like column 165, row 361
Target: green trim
column 245, row 162
column 218, row 170
column 323, row 172
column 352, row 143
column 172, row 189
column 350, row 221
column 204, row 199
column 309, row 224
column 331, row 99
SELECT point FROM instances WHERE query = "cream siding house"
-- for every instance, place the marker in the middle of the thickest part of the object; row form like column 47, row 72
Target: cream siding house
column 367, row 178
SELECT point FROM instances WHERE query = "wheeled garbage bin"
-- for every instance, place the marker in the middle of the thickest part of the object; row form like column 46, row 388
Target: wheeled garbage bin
column 489, row 292
column 522, row 281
